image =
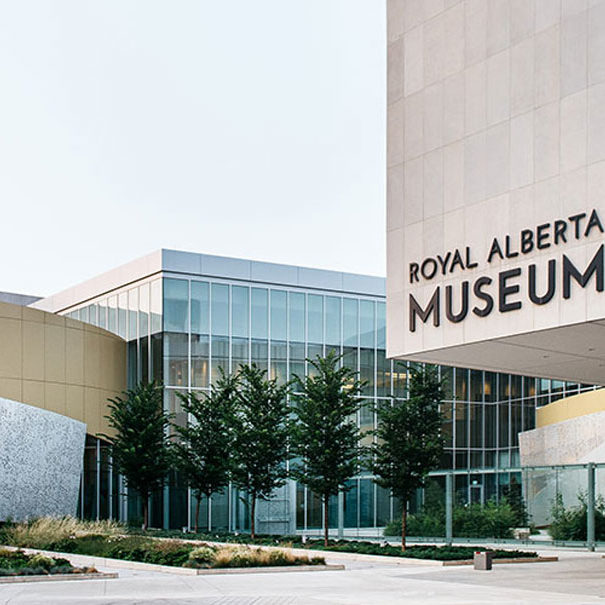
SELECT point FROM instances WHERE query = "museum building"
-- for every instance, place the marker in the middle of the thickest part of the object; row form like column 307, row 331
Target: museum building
column 177, row 317
column 496, row 201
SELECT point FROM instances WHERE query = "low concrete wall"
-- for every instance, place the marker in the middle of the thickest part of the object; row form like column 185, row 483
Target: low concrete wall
column 41, row 458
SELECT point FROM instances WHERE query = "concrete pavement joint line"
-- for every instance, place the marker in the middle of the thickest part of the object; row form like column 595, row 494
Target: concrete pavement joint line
column 187, row 571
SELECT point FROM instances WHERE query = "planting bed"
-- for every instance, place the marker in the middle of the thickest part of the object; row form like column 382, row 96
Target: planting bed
column 17, row 565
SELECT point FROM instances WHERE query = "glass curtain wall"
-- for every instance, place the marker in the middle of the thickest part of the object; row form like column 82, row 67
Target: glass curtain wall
column 184, row 331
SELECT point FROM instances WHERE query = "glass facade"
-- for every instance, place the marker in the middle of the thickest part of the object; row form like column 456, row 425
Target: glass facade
column 182, row 330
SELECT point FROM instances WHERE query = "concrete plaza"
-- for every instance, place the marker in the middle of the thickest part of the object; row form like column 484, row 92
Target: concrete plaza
column 578, row 577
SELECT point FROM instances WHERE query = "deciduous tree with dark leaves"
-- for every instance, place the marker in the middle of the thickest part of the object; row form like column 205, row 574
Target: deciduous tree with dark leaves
column 140, row 443
column 325, row 436
column 204, row 446
column 409, row 443
column 262, row 430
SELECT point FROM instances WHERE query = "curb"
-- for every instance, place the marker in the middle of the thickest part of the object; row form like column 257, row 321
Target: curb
column 500, row 561
column 58, row 577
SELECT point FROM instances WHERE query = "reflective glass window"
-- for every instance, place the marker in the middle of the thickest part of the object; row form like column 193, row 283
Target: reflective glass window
column 260, row 313
column 381, row 336
column 133, row 307
column 333, row 321
column 461, row 384
column 297, row 316
column 279, row 317
column 200, row 360
column 84, row 314
column 476, row 385
column 143, row 310
column 112, row 314
column 176, row 305
column 315, row 318
column 155, row 306
column 240, row 311
column 220, row 311
column 200, row 307
column 175, row 359
column 123, row 314
column 366, row 323
column 350, row 321
column 102, row 314
column 220, row 355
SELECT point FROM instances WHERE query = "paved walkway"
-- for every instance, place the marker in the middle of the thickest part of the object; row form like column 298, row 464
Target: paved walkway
column 578, row 578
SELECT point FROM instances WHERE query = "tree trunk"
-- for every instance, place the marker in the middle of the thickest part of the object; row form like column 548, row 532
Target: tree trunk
column 326, row 517
column 197, row 512
column 404, row 517
column 209, row 513
column 252, row 517
column 145, row 512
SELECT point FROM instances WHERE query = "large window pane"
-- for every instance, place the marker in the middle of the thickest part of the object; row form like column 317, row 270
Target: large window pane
column 350, row 322
column 122, row 314
column 240, row 311
column 315, row 318
column 297, row 316
column 366, row 370
column 143, row 310
column 366, row 323
column 333, row 321
column 381, row 336
column 220, row 311
column 133, row 307
column 200, row 360
column 112, row 314
column 176, row 303
column 260, row 313
column 175, row 359
column 200, row 307
column 155, row 306
column 220, row 355
column 279, row 321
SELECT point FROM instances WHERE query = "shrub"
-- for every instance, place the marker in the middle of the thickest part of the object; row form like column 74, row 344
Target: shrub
column 570, row 523
column 43, row 561
column 492, row 520
column 203, row 556
column 45, row 532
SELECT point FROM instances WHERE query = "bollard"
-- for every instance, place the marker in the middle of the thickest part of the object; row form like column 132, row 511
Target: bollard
column 482, row 560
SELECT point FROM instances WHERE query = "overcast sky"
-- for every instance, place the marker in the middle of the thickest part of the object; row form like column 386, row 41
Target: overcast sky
column 249, row 128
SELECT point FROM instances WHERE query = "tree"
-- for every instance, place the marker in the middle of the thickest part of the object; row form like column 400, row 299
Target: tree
column 513, row 494
column 325, row 436
column 204, row 451
column 140, row 449
column 261, row 434
column 409, row 442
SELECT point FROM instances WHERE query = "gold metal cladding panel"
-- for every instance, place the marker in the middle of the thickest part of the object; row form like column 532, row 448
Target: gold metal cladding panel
column 571, row 407
column 60, row 364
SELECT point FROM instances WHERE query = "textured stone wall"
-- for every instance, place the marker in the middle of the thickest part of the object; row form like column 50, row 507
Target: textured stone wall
column 575, row 441
column 41, row 458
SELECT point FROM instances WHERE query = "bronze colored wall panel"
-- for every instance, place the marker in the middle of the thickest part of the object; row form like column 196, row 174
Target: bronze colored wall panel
column 60, row 364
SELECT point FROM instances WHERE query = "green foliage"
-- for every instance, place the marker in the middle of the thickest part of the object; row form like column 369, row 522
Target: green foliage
column 325, row 436
column 428, row 551
column 203, row 450
column 492, row 520
column 18, row 563
column 409, row 442
column 176, row 553
column 570, row 523
column 261, row 431
column 513, row 494
column 140, row 446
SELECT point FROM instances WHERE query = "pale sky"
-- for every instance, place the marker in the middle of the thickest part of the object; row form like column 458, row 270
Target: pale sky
column 248, row 128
